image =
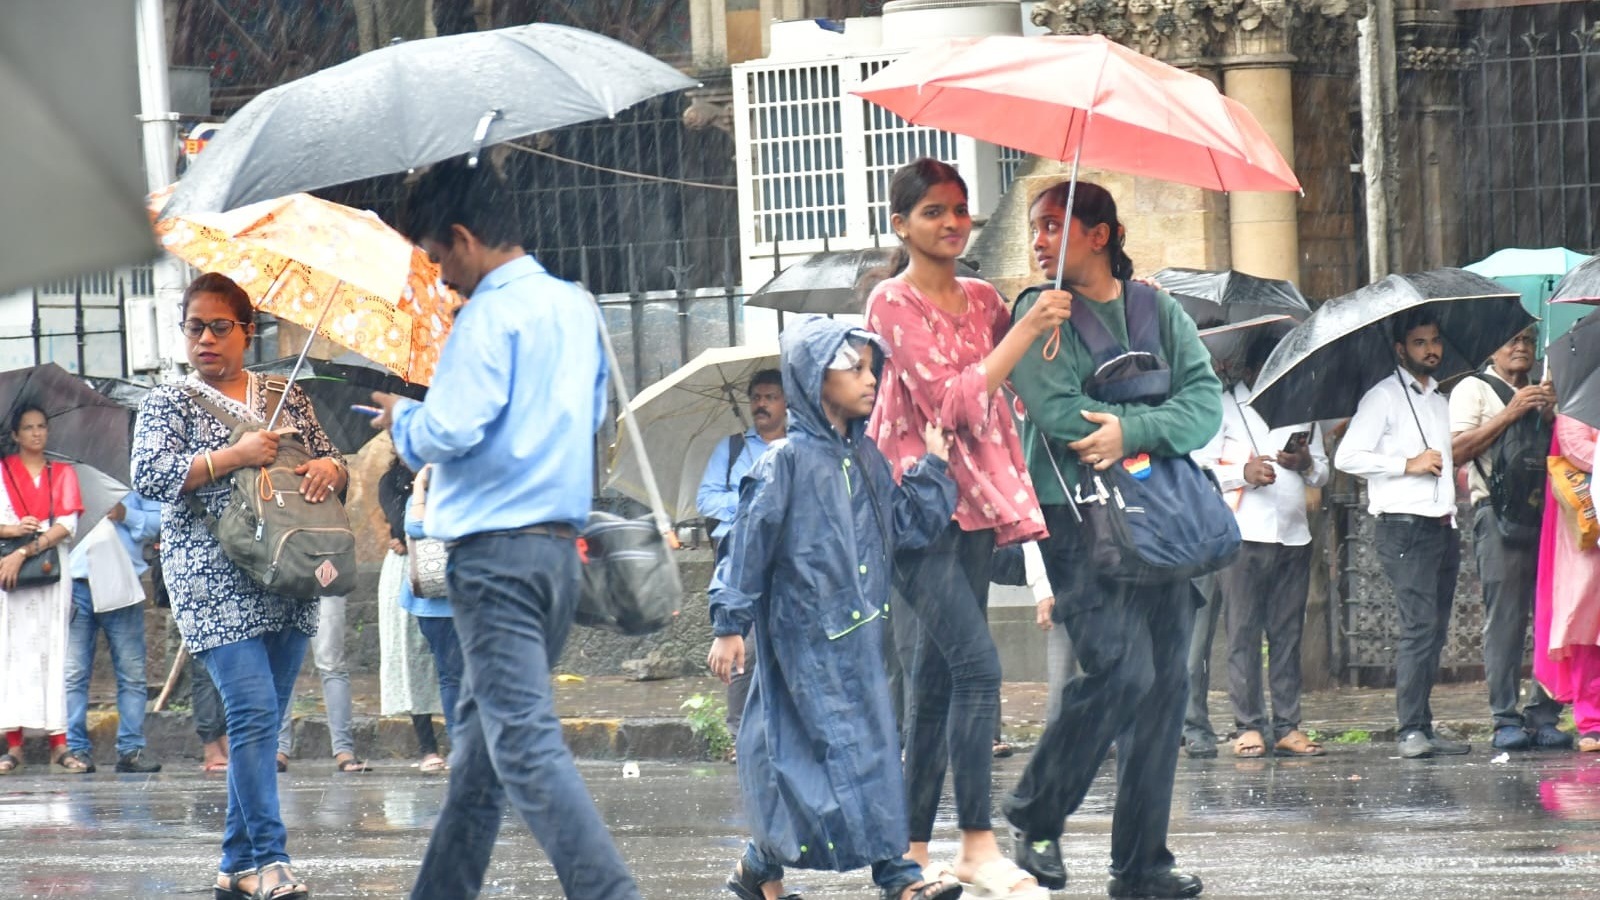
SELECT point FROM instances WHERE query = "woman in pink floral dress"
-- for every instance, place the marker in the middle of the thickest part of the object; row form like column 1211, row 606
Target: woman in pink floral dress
column 953, row 346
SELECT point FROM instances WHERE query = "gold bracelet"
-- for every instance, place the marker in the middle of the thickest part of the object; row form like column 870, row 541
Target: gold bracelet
column 209, row 467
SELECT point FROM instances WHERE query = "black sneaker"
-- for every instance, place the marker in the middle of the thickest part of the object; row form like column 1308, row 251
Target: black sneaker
column 135, row 764
column 1041, row 859
column 1170, row 883
column 1414, row 744
column 1549, row 737
column 1446, row 747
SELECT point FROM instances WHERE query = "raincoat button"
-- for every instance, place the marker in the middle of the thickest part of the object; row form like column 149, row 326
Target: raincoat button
column 855, row 614
column 847, row 463
column 802, row 848
column 886, row 607
column 863, row 569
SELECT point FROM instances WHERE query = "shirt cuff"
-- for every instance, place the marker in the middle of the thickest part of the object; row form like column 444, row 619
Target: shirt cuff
column 401, row 413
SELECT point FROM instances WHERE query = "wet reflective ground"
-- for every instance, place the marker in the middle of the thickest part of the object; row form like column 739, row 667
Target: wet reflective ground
column 1358, row 823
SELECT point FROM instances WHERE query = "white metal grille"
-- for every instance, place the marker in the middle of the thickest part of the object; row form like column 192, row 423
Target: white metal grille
column 1010, row 164
column 796, row 147
column 890, row 142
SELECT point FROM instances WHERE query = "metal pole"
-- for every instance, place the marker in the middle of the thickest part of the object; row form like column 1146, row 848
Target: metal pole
column 77, row 324
column 168, row 274
column 1377, row 59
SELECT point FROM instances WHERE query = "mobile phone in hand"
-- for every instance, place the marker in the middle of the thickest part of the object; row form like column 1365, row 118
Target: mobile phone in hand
column 1298, row 441
column 371, row 412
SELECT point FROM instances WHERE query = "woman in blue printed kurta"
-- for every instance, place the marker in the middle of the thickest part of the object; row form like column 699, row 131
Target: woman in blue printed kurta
column 251, row 640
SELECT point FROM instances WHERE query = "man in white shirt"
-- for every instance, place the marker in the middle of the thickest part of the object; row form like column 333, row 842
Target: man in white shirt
column 1399, row 441
column 1265, row 472
column 1497, row 417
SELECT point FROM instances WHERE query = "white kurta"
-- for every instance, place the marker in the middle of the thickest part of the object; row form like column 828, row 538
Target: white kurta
column 408, row 682
column 33, row 644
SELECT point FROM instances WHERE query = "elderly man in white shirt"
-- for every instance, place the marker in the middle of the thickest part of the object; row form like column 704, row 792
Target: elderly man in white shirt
column 1399, row 441
column 1265, row 473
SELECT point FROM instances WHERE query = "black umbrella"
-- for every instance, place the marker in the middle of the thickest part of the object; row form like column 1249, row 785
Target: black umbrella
column 827, row 283
column 1325, row 365
column 1574, row 360
column 1581, row 285
column 335, row 386
column 1231, row 345
column 84, row 426
column 414, row 103
column 1226, row 297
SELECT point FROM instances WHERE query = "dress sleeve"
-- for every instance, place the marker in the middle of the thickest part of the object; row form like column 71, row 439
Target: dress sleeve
column 161, row 454
column 745, row 573
column 954, row 396
column 1576, row 441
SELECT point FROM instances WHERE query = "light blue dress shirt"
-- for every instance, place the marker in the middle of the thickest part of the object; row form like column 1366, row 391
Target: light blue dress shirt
column 140, row 525
column 718, row 498
column 510, row 418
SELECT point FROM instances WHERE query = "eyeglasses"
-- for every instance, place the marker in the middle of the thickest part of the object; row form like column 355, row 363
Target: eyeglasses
column 193, row 328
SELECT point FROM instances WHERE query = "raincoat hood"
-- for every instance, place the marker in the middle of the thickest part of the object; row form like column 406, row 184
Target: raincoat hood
column 807, row 347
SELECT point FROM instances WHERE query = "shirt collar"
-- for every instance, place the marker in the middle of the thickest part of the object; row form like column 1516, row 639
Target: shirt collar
column 507, row 272
column 1416, row 387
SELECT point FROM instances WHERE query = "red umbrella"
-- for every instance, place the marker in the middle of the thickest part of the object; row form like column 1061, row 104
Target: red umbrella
column 1087, row 99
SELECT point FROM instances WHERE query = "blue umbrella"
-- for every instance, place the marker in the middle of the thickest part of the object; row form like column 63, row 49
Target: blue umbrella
column 1534, row 274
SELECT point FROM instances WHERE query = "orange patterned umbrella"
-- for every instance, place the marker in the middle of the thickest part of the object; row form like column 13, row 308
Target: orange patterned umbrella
column 338, row 271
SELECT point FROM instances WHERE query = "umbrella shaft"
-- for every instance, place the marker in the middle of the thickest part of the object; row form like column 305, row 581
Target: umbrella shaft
column 1066, row 223
column 300, row 361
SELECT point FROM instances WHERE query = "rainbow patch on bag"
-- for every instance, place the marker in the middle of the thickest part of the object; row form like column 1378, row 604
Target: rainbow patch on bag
column 1137, row 466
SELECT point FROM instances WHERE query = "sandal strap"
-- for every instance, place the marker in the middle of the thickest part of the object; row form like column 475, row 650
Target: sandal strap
column 289, row 888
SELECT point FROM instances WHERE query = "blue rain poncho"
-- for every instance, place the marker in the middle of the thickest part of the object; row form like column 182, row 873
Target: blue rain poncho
column 809, row 566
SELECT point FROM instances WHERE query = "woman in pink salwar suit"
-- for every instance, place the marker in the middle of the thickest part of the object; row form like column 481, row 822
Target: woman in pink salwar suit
column 1566, row 636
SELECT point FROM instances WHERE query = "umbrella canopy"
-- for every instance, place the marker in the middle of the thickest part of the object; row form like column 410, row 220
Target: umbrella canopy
column 1055, row 95
column 1574, row 361
column 334, row 387
column 1230, row 345
column 826, row 283
column 418, row 102
column 1581, row 285
column 681, row 418
column 98, row 490
column 338, row 271
column 1534, row 274
column 1228, row 296
column 1325, row 365
column 69, row 152
column 85, row 426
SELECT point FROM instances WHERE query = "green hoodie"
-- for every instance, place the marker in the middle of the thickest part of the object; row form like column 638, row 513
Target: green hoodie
column 1052, row 391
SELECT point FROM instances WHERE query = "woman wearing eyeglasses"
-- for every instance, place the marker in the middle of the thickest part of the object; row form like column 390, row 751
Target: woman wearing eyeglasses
column 251, row 640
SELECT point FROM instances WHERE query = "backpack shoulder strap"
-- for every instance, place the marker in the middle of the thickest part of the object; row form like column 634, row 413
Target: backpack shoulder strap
column 735, row 450
column 1144, row 318
column 1501, row 389
column 228, row 419
column 1096, row 337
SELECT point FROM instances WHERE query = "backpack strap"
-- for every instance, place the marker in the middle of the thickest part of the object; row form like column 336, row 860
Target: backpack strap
column 230, row 422
column 735, row 450
column 1142, row 309
column 1501, row 389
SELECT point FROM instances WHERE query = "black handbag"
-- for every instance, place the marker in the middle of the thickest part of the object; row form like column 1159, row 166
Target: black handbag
column 44, row 567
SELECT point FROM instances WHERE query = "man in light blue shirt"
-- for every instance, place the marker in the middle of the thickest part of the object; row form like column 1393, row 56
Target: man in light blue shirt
column 106, row 565
column 718, row 497
column 509, row 425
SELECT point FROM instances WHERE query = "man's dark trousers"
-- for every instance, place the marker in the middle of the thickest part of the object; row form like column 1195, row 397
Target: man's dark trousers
column 1197, row 719
column 1133, row 645
column 1266, row 590
column 513, row 597
column 1422, row 556
column 1508, row 575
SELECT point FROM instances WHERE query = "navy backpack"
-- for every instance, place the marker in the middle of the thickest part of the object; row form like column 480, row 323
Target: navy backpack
column 1148, row 519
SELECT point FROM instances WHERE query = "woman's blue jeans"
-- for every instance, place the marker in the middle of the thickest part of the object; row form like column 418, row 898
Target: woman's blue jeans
column 256, row 679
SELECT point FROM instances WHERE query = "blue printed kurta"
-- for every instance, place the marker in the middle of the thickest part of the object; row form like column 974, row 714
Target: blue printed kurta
column 213, row 601
column 819, row 760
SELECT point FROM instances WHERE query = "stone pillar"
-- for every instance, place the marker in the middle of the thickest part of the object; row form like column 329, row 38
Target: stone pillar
column 1263, row 227
column 708, row 33
column 1431, row 57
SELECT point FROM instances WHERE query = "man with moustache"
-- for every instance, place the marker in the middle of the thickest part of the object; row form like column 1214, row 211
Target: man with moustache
column 1498, row 409
column 1399, row 441
column 718, row 497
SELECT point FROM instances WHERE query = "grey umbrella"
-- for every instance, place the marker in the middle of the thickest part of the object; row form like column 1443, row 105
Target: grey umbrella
column 1574, row 360
column 1212, row 298
column 828, row 283
column 1322, row 368
column 1230, row 345
column 69, row 151
column 415, row 103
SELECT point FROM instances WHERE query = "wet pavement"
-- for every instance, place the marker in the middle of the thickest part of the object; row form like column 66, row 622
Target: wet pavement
column 1356, row 823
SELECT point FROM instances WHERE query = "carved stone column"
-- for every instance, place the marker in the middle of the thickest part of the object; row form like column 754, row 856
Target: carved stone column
column 1429, row 44
column 1257, row 71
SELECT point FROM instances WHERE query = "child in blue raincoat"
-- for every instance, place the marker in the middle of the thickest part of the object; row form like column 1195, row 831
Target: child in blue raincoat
column 809, row 564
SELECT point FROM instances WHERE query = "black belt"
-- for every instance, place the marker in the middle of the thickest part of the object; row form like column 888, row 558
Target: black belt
column 548, row 529
column 1481, row 504
column 1409, row 519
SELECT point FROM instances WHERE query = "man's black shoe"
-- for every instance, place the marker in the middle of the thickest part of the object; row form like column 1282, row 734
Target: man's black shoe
column 1414, row 744
column 135, row 764
column 1170, row 883
column 1041, row 859
column 1446, row 747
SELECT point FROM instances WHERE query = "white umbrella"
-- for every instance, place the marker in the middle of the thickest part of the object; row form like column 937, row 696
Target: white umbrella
column 681, row 418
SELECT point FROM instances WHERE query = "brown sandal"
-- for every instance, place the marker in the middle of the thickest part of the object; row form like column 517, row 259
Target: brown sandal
column 1249, row 745
column 9, row 763
column 1295, row 743
column 289, row 888
column 69, row 763
column 1589, row 743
